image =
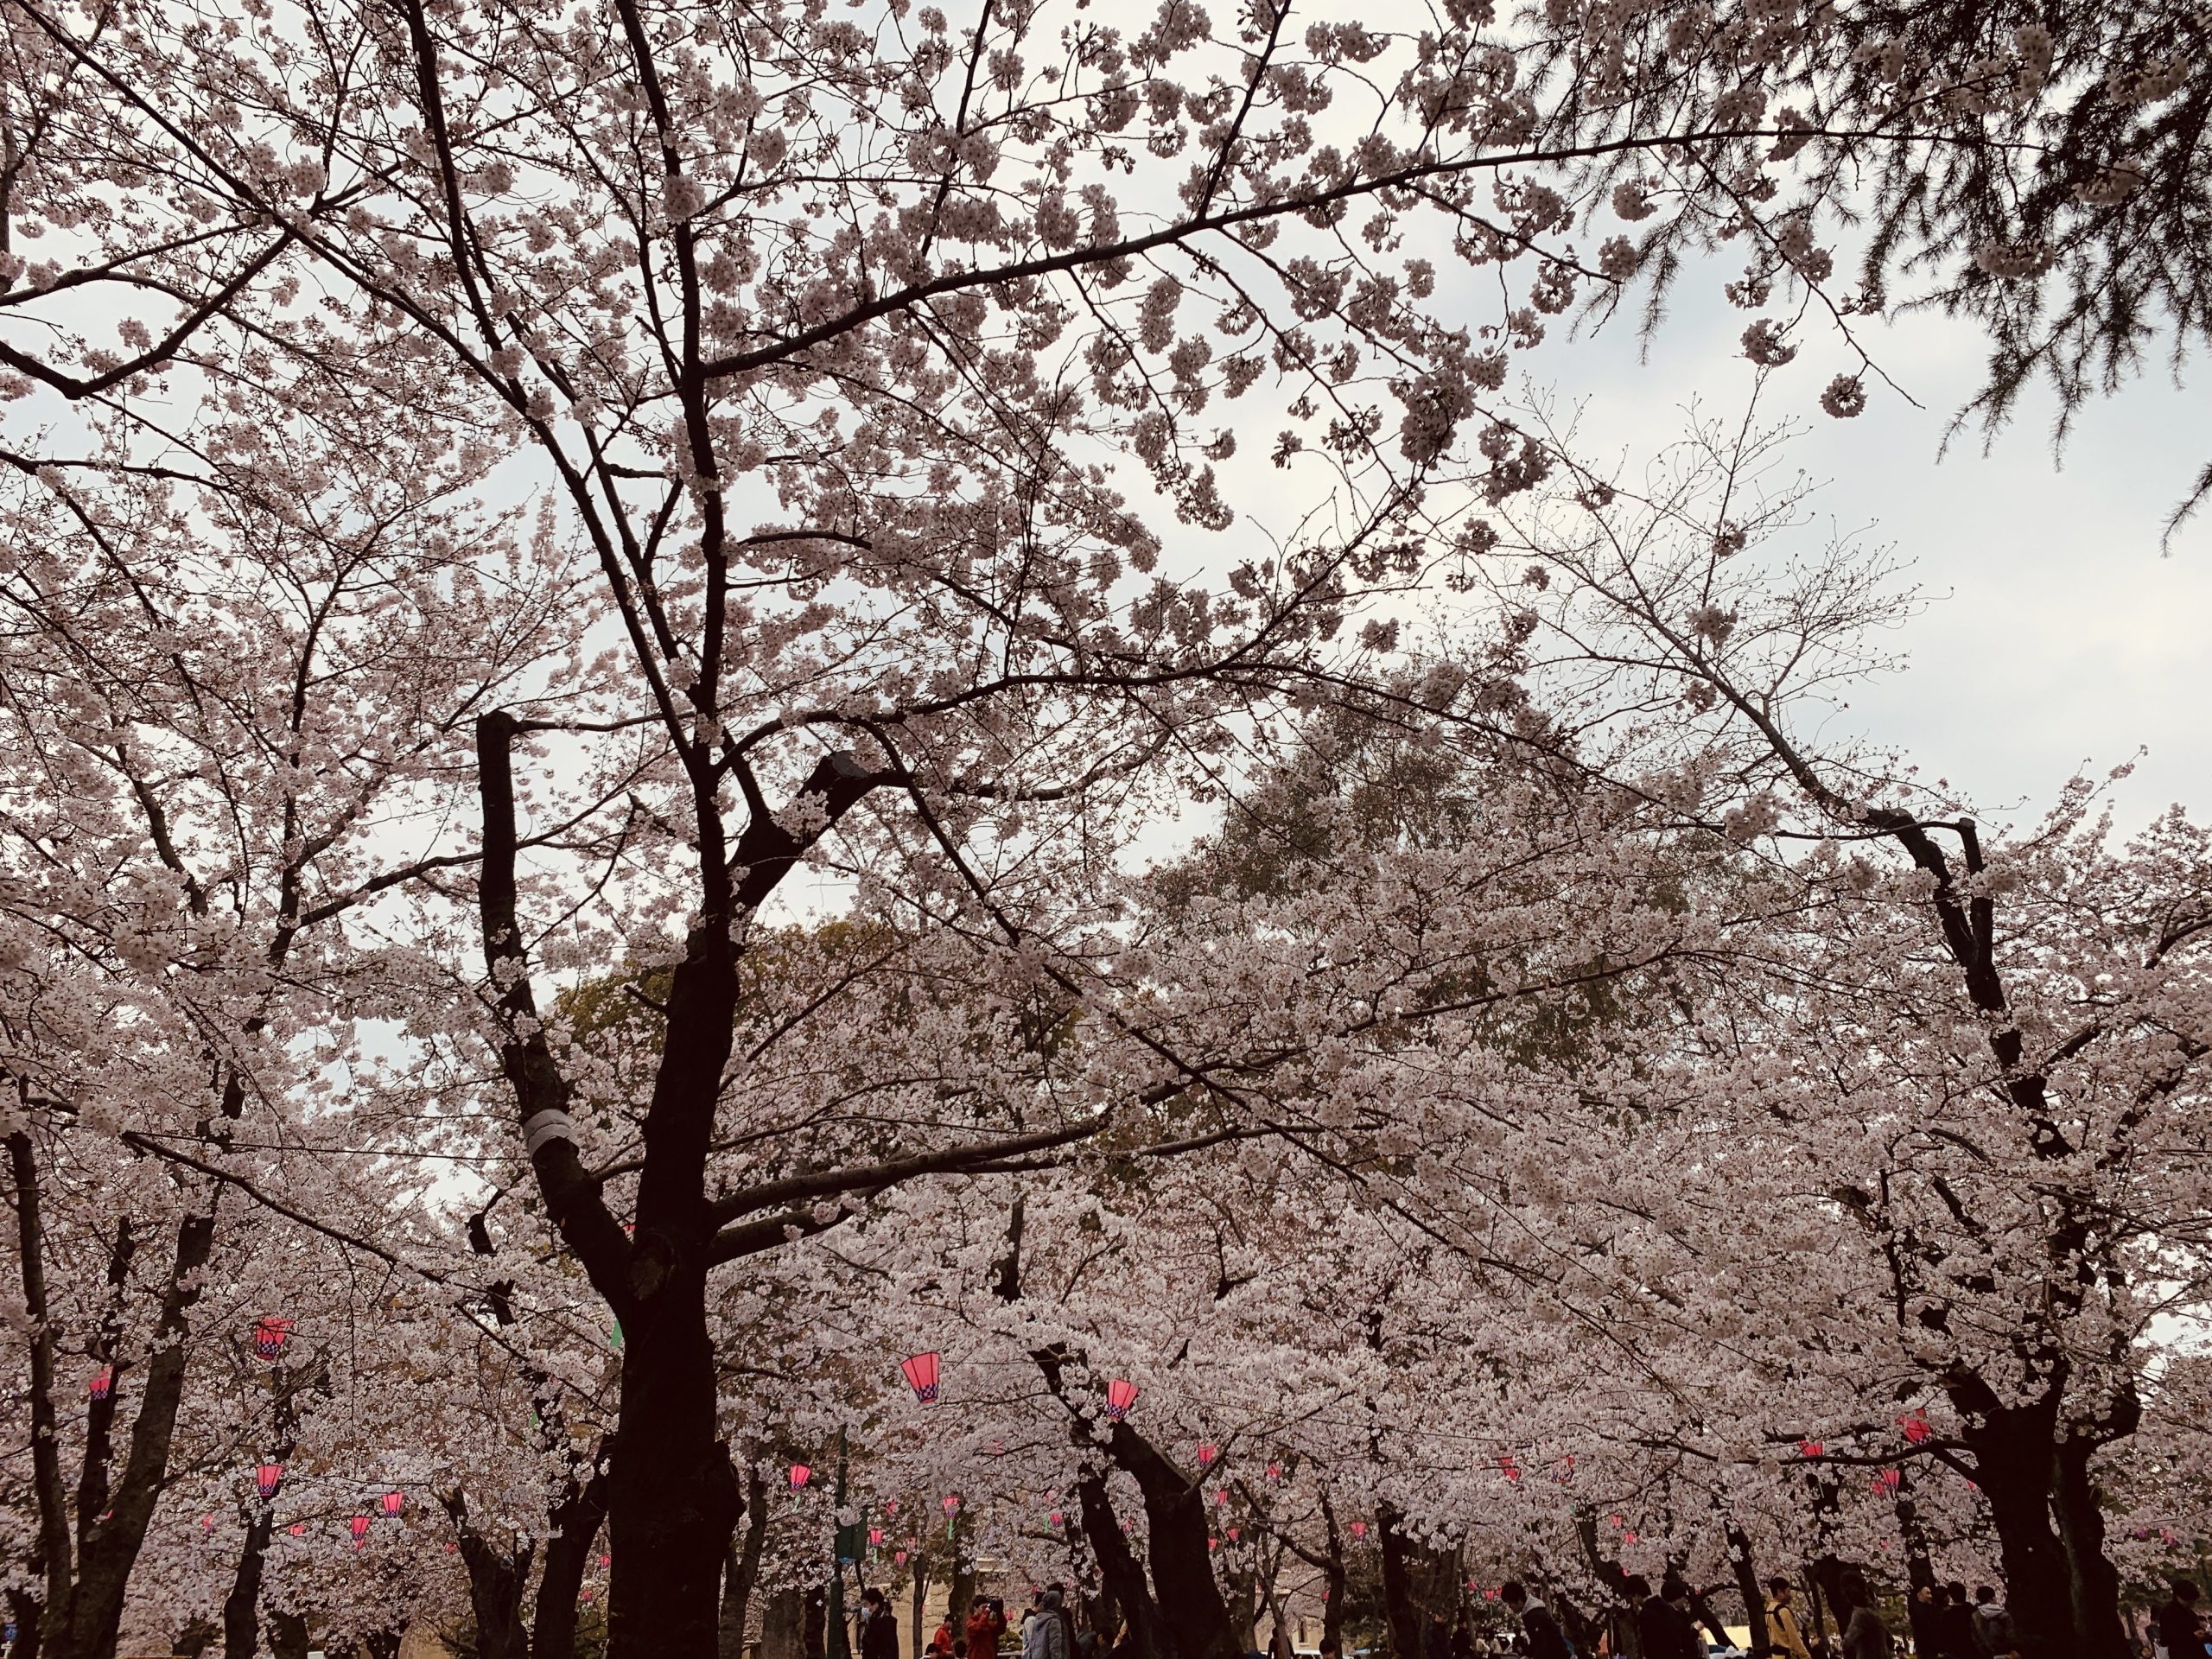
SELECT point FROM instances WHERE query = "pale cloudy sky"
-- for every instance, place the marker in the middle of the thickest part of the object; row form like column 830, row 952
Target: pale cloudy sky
column 2058, row 633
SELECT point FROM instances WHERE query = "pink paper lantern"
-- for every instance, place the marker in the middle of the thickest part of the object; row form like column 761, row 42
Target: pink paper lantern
column 267, row 1477
column 268, row 1333
column 103, row 1383
column 1207, row 1454
column 1121, row 1395
column 800, row 1475
column 921, row 1376
column 359, row 1524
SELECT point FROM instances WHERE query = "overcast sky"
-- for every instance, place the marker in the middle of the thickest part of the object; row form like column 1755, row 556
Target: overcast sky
column 2058, row 634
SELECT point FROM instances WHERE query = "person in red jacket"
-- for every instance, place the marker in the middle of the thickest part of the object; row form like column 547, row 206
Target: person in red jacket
column 986, row 1623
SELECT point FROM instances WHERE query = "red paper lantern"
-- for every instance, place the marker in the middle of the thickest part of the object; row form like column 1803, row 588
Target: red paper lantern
column 1511, row 1469
column 267, row 1477
column 1213, row 1543
column 1916, row 1427
column 876, row 1537
column 1359, row 1528
column 1628, row 1537
column 1207, row 1454
column 1275, row 1471
column 206, row 1523
column 899, row 1556
column 299, row 1529
column 359, row 1524
column 1232, row 1535
column 607, row 1560
column 1121, row 1395
column 269, row 1334
column 393, row 1503
column 951, row 1504
column 1888, row 1481
column 1222, row 1496
column 921, row 1376
column 891, row 1506
column 1054, row 1518
column 103, row 1383
column 800, row 1475
column 1810, row 1448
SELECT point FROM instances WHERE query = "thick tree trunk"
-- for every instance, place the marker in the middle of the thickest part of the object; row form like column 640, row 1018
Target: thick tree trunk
column 2099, row 1627
column 496, row 1579
column 241, row 1607
column 783, row 1625
column 1417, row 1581
column 743, row 1570
column 2013, row 1456
column 1120, row 1571
column 1748, row 1587
column 567, row 1553
column 1182, row 1567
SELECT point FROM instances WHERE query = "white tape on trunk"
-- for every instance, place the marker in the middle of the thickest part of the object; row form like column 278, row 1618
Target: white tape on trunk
column 541, row 1127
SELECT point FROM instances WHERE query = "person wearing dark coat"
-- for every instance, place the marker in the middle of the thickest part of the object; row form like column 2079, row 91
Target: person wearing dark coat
column 2180, row 1626
column 879, row 1627
column 1545, row 1639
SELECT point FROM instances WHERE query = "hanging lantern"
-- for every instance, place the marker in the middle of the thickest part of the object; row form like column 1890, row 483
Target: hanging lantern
column 1221, row 1496
column 876, row 1537
column 1888, row 1481
column 1512, row 1470
column 393, row 1503
column 206, row 1523
column 1121, row 1395
column 899, row 1556
column 1213, row 1543
column 921, row 1376
column 891, row 1506
column 1275, row 1471
column 1810, row 1448
column 800, row 1475
column 1628, row 1537
column 359, row 1524
column 269, row 1334
column 267, row 1477
column 1232, row 1535
column 951, row 1505
column 607, row 1560
column 1916, row 1427
column 298, row 1529
column 1053, row 1519
column 1490, row 1594
column 1359, row 1528
column 103, row 1383
column 1207, row 1454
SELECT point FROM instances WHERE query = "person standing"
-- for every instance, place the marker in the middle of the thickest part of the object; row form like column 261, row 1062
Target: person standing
column 2180, row 1626
column 879, row 1627
column 986, row 1623
column 1546, row 1639
column 1436, row 1641
column 1865, row 1636
column 1782, row 1631
column 1463, row 1638
column 1045, row 1632
column 1994, row 1636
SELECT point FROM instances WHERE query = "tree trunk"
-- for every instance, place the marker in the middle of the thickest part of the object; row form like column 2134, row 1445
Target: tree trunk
column 1417, row 1581
column 496, row 1579
column 1182, row 1567
column 2100, row 1628
column 783, row 1625
column 1748, row 1587
column 1119, row 1571
column 288, row 1636
column 568, row 1553
column 743, row 1571
column 241, row 1607
column 2014, row 1457
column 916, row 1637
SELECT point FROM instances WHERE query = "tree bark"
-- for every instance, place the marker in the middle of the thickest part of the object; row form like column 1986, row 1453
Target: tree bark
column 2100, row 1627
column 1747, row 1586
column 496, row 1578
column 1119, row 1571
column 743, row 1573
column 568, row 1553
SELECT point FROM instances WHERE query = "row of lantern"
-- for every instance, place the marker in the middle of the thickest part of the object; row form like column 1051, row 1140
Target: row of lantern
column 269, row 1334
column 921, row 1374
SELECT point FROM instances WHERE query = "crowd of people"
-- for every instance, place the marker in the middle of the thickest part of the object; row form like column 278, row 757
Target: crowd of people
column 1946, row 1623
